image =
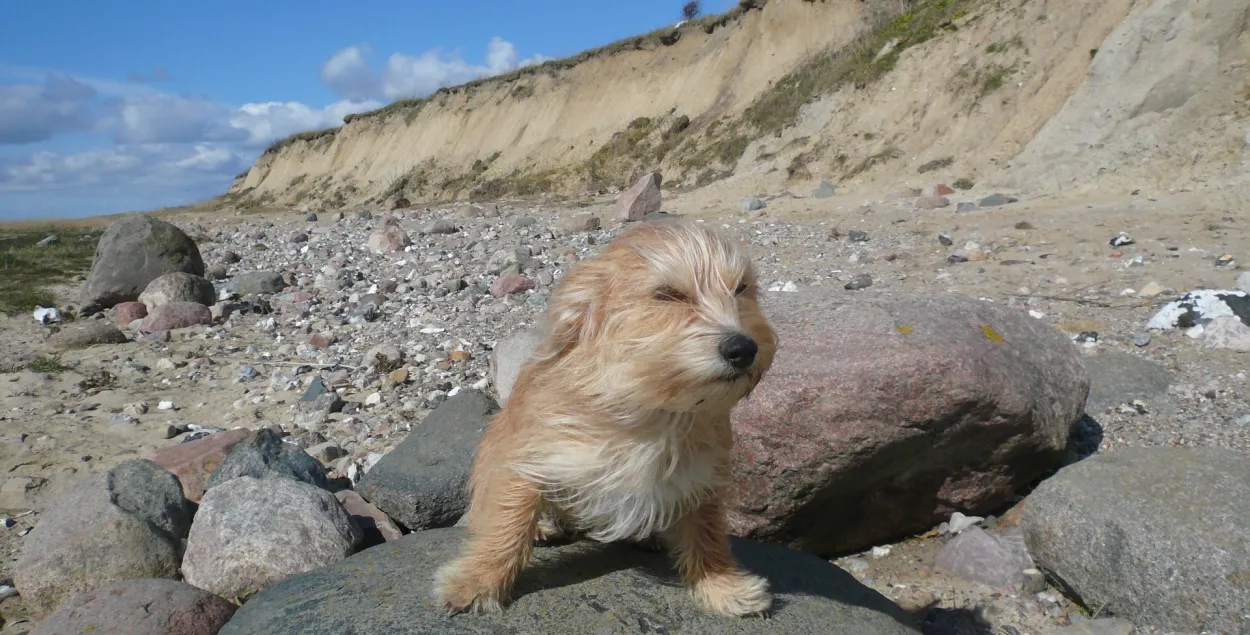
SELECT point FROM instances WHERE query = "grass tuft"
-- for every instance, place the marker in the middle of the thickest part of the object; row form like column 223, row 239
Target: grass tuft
column 28, row 270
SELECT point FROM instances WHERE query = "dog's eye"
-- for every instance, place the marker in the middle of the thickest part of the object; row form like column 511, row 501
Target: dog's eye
column 669, row 294
column 742, row 288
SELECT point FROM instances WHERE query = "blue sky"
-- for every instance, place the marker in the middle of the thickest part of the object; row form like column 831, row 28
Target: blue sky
column 129, row 105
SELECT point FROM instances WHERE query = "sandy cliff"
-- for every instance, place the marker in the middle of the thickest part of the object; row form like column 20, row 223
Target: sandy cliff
column 1035, row 95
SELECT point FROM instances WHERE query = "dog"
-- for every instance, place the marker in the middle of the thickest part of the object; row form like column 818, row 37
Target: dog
column 617, row 426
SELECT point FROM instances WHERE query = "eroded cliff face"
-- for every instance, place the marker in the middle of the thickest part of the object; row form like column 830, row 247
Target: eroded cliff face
column 1031, row 94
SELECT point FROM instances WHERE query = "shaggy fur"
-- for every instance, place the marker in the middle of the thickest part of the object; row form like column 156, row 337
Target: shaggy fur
column 618, row 425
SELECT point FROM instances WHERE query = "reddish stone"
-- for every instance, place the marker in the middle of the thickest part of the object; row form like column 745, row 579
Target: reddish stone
column 369, row 517
column 388, row 240
column 461, row 356
column 177, row 315
column 194, row 462
column 128, row 312
column 932, row 202
column 643, row 198
column 509, row 284
column 882, row 417
column 319, row 340
column 140, row 607
column 942, row 189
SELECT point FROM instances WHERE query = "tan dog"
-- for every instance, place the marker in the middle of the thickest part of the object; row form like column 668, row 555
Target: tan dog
column 618, row 425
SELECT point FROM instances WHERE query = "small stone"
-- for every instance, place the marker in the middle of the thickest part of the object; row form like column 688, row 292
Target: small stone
column 825, row 190
column 1141, row 339
column 1104, row 626
column 127, row 312
column 460, row 356
column 995, row 200
column 862, row 281
column 751, row 203
column 1034, row 582
column 398, row 376
column 1121, row 239
column 966, row 206
column 1151, row 290
column 960, row 522
column 858, row 236
column 932, row 202
column 945, row 240
column 510, row 284
column 942, row 189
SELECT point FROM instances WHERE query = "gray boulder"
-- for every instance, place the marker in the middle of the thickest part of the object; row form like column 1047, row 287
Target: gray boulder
column 1119, row 378
column 140, row 607
column 125, row 524
column 178, row 287
column 508, row 356
column 583, row 587
column 265, row 455
column 421, row 482
column 250, row 533
column 1157, row 535
column 256, row 283
column 131, row 254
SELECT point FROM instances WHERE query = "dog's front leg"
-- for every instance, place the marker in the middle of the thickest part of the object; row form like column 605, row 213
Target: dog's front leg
column 499, row 546
column 700, row 542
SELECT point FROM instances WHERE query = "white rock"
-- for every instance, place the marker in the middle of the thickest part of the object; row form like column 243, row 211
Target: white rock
column 880, row 552
column 959, row 522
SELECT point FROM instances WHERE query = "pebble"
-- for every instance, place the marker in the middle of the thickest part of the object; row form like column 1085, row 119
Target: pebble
column 861, row 281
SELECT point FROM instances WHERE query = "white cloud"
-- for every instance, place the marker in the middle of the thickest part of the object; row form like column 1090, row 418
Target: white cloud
column 30, row 113
column 266, row 122
column 349, row 74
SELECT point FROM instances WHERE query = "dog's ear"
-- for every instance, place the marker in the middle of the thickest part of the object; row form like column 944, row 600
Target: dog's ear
column 571, row 311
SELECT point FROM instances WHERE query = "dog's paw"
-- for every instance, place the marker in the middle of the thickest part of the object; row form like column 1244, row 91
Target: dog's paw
column 458, row 592
column 737, row 594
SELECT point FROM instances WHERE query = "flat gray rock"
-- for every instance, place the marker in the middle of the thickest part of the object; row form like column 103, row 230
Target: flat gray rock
column 421, row 483
column 140, row 607
column 1158, row 535
column 508, row 356
column 86, row 335
column 265, row 455
column 1116, row 378
column 584, row 587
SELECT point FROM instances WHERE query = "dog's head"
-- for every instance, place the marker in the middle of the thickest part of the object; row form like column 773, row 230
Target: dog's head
column 666, row 317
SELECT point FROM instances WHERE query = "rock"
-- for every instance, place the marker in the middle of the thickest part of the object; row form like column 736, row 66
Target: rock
column 1150, row 290
column 861, row 281
column 389, row 240
column 994, row 200
column 48, row 241
column 327, row 452
column 375, row 525
column 751, row 203
column 1117, row 378
column 1105, row 626
column 932, row 202
column 149, row 491
column 1155, row 533
column 643, row 198
column 978, row 556
column 966, row 206
column 825, row 190
column 140, row 607
column 132, row 253
column 256, row 283
column 421, row 483
column 979, row 396
column 104, row 530
column 177, row 315
column 580, row 223
column 178, row 287
column 264, row 455
column 128, row 312
column 441, row 226
column 85, row 335
column 508, row 356
column 194, row 461
column 1228, row 333
column 510, row 284
column 945, row 240
column 942, row 189
column 584, row 587
column 1121, row 239
column 250, row 533
column 1243, row 282
column 857, row 236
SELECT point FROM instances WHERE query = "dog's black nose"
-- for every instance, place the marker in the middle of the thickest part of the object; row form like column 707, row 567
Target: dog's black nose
column 739, row 350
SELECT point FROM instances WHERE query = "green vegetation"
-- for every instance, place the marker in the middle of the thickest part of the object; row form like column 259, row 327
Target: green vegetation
column 873, row 54
column 309, row 136
column 40, row 364
column 936, row 164
column 963, row 184
column 994, row 78
column 28, row 270
column 1001, row 47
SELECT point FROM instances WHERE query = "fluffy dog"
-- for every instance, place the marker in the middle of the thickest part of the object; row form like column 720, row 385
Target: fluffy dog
column 618, row 425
